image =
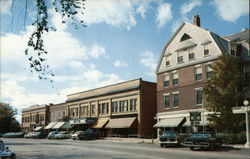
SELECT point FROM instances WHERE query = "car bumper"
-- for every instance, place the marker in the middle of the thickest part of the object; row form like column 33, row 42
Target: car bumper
column 201, row 144
column 168, row 142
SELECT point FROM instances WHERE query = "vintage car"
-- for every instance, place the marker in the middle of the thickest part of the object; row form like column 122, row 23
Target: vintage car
column 62, row 135
column 205, row 140
column 5, row 152
column 169, row 138
column 14, row 135
column 52, row 134
column 88, row 135
column 75, row 135
column 37, row 135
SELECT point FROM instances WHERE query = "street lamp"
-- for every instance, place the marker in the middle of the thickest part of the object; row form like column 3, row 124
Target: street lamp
column 246, row 103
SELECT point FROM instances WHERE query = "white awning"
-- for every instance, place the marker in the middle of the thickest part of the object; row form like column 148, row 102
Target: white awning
column 170, row 122
column 38, row 128
column 120, row 123
column 58, row 125
column 50, row 125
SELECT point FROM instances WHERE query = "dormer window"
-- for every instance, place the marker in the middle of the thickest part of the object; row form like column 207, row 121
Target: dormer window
column 185, row 37
column 180, row 57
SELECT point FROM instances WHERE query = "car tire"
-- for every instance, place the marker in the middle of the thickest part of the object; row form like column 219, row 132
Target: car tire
column 191, row 148
column 162, row 145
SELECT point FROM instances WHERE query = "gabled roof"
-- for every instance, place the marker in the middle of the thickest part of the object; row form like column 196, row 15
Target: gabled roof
column 241, row 36
column 221, row 42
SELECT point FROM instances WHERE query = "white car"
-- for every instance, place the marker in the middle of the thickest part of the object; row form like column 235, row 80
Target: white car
column 75, row 135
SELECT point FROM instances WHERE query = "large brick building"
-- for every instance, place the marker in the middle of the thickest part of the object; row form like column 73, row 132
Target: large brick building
column 183, row 70
column 123, row 109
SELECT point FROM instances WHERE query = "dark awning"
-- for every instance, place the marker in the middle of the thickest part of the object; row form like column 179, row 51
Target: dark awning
column 120, row 123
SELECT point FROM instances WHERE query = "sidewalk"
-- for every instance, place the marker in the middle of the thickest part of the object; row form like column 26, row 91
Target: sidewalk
column 156, row 141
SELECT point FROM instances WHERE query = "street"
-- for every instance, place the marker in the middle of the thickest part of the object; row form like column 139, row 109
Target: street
column 111, row 149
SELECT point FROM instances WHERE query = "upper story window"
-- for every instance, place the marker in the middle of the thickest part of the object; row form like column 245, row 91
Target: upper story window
column 133, row 103
column 166, row 80
column 93, row 109
column 166, row 101
column 191, row 56
column 167, row 58
column 176, row 99
column 114, row 107
column 123, row 106
column 180, row 57
column 175, row 78
column 209, row 71
column 198, row 96
column 206, row 49
column 198, row 73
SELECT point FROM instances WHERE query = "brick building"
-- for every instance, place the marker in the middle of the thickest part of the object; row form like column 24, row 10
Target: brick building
column 121, row 109
column 183, row 70
column 35, row 117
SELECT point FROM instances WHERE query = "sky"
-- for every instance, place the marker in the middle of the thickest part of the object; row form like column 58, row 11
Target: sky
column 123, row 41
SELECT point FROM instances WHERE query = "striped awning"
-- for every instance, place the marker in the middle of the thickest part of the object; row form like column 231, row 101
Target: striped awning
column 50, row 125
column 38, row 128
column 170, row 122
column 58, row 125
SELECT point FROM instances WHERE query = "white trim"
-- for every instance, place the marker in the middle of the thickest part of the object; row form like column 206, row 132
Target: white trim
column 199, row 88
column 197, row 66
column 166, row 94
column 175, row 71
column 176, row 92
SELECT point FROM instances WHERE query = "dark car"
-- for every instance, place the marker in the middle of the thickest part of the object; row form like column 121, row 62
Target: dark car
column 14, row 135
column 62, row 135
column 52, row 134
column 5, row 152
column 88, row 135
column 202, row 140
column 38, row 135
column 169, row 138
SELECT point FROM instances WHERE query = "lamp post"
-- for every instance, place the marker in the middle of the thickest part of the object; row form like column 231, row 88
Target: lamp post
column 246, row 103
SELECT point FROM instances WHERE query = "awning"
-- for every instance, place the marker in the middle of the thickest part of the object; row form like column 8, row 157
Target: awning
column 67, row 126
column 38, row 128
column 170, row 122
column 100, row 123
column 185, row 44
column 50, row 125
column 206, row 41
column 120, row 123
column 58, row 125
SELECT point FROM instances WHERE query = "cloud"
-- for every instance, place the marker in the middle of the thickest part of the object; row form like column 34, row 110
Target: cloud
column 5, row 6
column 184, row 10
column 96, row 51
column 149, row 60
column 118, row 13
column 164, row 14
column 187, row 7
column 231, row 10
column 120, row 64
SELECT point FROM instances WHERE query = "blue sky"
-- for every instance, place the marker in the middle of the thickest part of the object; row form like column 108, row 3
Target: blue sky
column 123, row 40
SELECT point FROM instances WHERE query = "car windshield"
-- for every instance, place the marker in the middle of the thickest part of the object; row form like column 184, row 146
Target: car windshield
column 169, row 134
column 1, row 147
column 201, row 135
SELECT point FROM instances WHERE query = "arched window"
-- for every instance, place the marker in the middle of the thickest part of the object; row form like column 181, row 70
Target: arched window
column 185, row 37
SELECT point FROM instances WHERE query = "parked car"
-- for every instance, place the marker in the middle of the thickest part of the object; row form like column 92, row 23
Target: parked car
column 13, row 135
column 28, row 135
column 205, row 140
column 170, row 138
column 36, row 135
column 5, row 152
column 52, row 134
column 62, row 135
column 75, row 135
column 88, row 135
column 1, row 134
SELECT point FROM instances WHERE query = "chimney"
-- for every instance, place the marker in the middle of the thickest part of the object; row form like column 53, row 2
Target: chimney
column 196, row 20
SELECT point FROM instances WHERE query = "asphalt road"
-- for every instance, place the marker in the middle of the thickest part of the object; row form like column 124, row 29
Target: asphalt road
column 111, row 149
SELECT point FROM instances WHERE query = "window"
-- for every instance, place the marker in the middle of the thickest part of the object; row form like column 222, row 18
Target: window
column 166, row 101
column 185, row 37
column 191, row 56
column 180, row 57
column 166, row 80
column 206, row 49
column 93, row 109
column 175, row 79
column 198, row 94
column 176, row 100
column 133, row 103
column 103, row 109
column 167, row 60
column 198, row 73
column 209, row 71
column 123, row 106
column 114, row 107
